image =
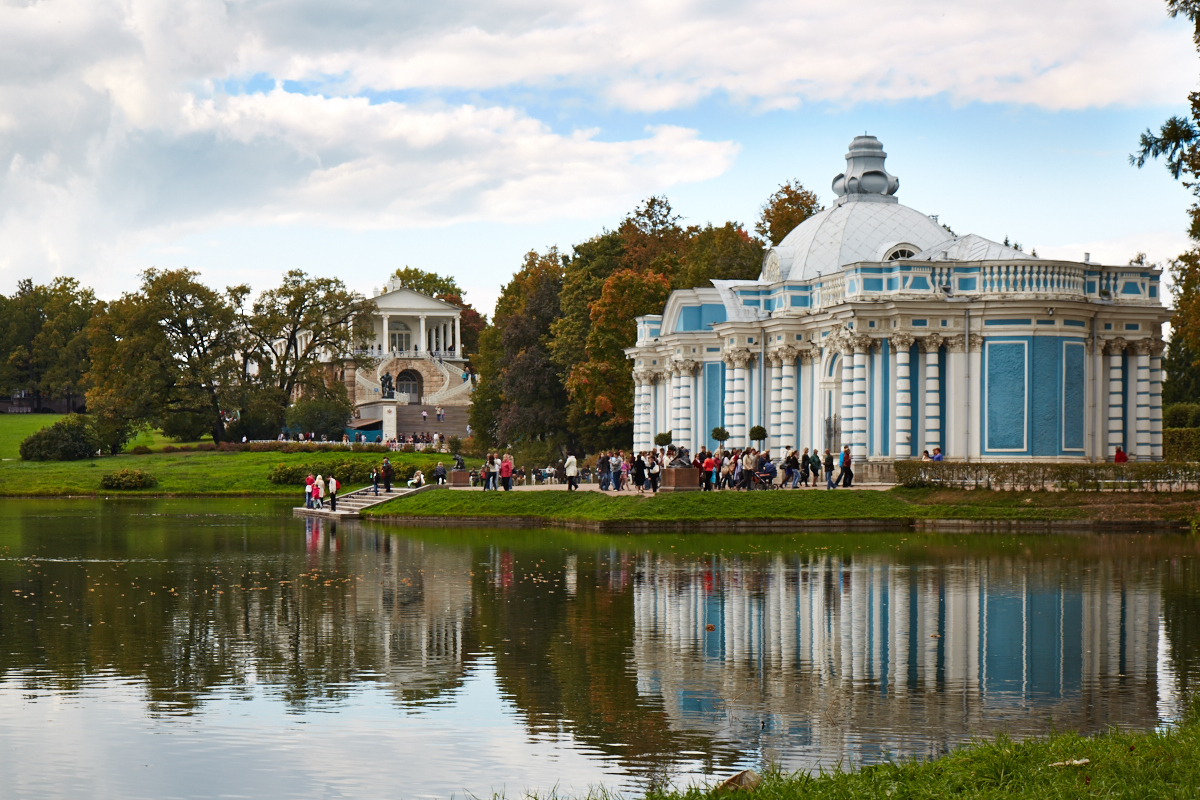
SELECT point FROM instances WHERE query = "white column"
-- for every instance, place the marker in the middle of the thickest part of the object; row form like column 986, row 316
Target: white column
column 975, row 393
column 423, row 344
column 933, row 395
column 775, row 420
column 639, row 404
column 445, row 337
column 847, row 410
column 738, row 433
column 684, row 437
column 787, row 400
column 1156, row 422
column 858, row 436
column 1115, row 349
column 458, row 348
column 387, row 342
column 673, row 401
column 955, row 422
column 1142, row 349
column 727, row 399
column 806, row 404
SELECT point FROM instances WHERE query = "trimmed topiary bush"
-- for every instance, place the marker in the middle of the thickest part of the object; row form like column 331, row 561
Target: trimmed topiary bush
column 128, row 479
column 662, row 439
column 72, row 438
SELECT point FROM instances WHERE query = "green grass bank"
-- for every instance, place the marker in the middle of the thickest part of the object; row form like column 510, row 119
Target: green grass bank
column 1147, row 766
column 694, row 510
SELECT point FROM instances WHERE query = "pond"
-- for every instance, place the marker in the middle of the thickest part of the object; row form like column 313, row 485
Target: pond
column 173, row 648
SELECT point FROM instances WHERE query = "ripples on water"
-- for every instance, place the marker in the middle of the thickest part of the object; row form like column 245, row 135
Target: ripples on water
column 200, row 649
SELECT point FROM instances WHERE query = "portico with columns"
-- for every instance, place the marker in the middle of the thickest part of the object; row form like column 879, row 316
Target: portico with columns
column 872, row 325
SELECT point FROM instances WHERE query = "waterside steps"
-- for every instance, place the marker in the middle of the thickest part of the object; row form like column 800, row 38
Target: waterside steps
column 351, row 504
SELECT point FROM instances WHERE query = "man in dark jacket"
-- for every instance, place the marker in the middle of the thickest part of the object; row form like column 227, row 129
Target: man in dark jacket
column 389, row 473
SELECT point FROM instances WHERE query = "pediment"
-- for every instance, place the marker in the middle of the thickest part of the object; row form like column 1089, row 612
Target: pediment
column 409, row 301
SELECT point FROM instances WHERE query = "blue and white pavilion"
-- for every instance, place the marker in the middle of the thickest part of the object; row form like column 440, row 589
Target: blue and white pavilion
column 872, row 325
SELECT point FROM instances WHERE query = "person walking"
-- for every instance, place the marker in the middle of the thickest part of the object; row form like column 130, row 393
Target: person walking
column 424, row 416
column 441, row 415
column 639, row 474
column 655, row 471
column 389, row 473
column 308, row 491
column 571, row 467
column 319, row 492
column 333, row 490
column 829, row 470
column 814, row 464
column 375, row 480
column 846, row 474
column 805, row 467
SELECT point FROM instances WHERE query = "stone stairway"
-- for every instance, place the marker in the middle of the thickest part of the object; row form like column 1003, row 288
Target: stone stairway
column 408, row 420
column 351, row 504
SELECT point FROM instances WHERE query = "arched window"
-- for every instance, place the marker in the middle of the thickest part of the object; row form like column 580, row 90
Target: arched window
column 900, row 251
column 408, row 382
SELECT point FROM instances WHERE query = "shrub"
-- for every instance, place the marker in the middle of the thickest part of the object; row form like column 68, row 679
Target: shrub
column 187, row 426
column 206, row 447
column 324, row 416
column 70, row 439
column 1181, row 444
column 454, row 444
column 720, row 435
column 128, row 479
column 345, row 470
column 170, row 448
column 758, row 433
column 662, row 439
column 1181, row 415
column 140, row 450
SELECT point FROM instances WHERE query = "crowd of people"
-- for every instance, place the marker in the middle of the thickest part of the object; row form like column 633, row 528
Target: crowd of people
column 739, row 469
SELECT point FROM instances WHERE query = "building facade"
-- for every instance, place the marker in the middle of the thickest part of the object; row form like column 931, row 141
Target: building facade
column 873, row 325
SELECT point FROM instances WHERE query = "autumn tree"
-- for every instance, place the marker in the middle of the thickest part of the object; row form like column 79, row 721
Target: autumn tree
column 427, row 283
column 652, row 240
column 724, row 253
column 784, row 210
column 167, row 352
column 519, row 382
column 603, row 384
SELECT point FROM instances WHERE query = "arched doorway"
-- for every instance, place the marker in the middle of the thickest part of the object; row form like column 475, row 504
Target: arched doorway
column 409, row 382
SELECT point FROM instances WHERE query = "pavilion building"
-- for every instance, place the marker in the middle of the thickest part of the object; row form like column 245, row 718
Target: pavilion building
column 873, row 325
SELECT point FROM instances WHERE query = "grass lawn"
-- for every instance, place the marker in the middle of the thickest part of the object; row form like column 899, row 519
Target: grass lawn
column 16, row 428
column 561, row 506
column 1164, row 764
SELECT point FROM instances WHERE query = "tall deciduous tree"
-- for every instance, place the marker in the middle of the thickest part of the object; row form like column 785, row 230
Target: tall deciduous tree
column 43, row 345
column 303, row 322
column 652, row 240
column 428, row 283
column 724, row 253
column 603, row 384
column 171, row 349
column 790, row 205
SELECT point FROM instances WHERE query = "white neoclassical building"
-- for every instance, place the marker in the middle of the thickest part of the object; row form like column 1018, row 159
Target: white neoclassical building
column 872, row 325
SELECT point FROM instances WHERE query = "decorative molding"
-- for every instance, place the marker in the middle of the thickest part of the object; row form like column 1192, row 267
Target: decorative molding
column 1140, row 347
column 974, row 342
column 1156, row 348
column 859, row 343
column 741, row 358
column 685, row 366
column 931, row 343
column 902, row 341
column 956, row 343
column 807, row 355
column 1115, row 347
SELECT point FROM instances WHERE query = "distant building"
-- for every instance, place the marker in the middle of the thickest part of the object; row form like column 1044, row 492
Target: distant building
column 872, row 325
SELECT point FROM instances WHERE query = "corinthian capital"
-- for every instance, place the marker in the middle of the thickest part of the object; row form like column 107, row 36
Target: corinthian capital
column 1156, row 347
column 956, row 343
column 1140, row 347
column 901, row 341
column 860, row 343
column 1115, row 347
column 931, row 343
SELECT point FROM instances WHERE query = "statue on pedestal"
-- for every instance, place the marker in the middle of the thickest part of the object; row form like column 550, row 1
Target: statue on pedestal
column 389, row 390
column 459, row 465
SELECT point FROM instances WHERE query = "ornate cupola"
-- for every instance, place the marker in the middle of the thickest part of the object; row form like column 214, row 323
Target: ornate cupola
column 865, row 177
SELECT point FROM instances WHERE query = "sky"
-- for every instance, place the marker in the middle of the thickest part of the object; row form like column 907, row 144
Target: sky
column 244, row 138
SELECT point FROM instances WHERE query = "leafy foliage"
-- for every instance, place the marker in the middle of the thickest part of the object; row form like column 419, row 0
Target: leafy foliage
column 128, row 479
column 427, row 283
column 325, row 414
column 724, row 253
column 70, row 439
column 43, row 344
column 1181, row 415
column 758, row 433
column 784, row 210
column 720, row 435
column 662, row 439
column 1039, row 476
column 345, row 470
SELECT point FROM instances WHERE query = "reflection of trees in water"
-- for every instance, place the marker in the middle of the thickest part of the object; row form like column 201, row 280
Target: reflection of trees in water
column 355, row 607
column 1181, row 619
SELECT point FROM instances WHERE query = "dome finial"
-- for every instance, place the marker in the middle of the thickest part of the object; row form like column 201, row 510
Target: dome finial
column 865, row 173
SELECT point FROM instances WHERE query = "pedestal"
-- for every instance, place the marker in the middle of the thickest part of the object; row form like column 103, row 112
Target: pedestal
column 460, row 477
column 680, row 479
column 389, row 421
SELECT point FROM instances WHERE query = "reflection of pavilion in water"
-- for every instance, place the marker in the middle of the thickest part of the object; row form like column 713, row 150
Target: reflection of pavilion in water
column 413, row 603
column 868, row 657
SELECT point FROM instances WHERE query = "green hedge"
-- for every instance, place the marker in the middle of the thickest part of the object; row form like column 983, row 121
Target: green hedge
column 1181, row 415
column 72, row 438
column 346, row 471
column 1033, row 475
column 128, row 479
column 1181, row 444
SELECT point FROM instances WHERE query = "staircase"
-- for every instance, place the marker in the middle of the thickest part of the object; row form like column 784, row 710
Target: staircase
column 351, row 504
column 408, row 420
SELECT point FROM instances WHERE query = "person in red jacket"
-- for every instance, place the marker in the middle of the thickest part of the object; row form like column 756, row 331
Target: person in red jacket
column 1120, row 457
column 506, row 472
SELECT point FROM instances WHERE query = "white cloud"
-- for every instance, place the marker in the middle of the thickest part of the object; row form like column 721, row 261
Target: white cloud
column 115, row 128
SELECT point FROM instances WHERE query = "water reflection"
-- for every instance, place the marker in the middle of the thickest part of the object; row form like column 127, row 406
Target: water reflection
column 530, row 659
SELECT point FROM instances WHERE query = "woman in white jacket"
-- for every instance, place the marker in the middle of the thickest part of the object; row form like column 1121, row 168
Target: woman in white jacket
column 572, row 469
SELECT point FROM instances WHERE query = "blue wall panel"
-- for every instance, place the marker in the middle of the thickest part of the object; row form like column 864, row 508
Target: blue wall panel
column 698, row 318
column 1006, row 395
column 1074, row 393
column 1044, row 384
column 714, row 400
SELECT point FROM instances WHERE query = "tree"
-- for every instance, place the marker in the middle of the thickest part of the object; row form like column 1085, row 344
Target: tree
column 170, row 350
column 662, row 439
column 293, row 330
column 43, row 347
column 323, row 413
column 603, row 384
column 652, row 239
column 487, row 400
column 427, row 283
column 470, row 323
column 724, row 253
column 784, row 210
column 720, row 436
column 758, row 433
